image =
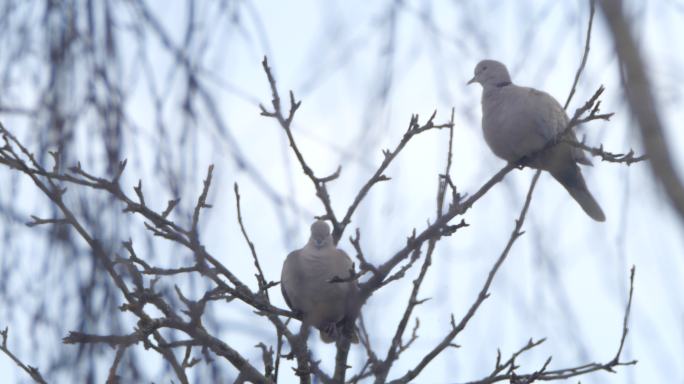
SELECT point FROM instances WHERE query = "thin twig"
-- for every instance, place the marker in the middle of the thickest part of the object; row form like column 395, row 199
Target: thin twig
column 628, row 158
column 544, row 374
column 482, row 296
column 261, row 279
column 285, row 122
column 413, row 129
column 585, row 55
column 32, row 371
column 398, row 345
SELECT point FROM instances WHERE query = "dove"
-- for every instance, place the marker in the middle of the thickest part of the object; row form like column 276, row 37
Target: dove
column 307, row 288
column 520, row 125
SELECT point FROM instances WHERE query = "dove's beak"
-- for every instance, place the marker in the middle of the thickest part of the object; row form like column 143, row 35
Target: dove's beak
column 471, row 81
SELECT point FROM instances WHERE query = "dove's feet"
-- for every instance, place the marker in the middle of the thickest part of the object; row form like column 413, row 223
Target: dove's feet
column 331, row 330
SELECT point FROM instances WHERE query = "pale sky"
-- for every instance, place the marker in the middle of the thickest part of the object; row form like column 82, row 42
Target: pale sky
column 566, row 278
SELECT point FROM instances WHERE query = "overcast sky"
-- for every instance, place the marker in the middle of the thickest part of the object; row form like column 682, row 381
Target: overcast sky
column 361, row 70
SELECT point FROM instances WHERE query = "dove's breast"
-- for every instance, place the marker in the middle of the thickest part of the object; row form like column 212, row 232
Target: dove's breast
column 512, row 127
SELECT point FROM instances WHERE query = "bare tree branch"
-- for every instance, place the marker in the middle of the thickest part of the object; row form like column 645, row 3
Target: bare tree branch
column 507, row 370
column 482, row 296
column 585, row 55
column 261, row 279
column 32, row 371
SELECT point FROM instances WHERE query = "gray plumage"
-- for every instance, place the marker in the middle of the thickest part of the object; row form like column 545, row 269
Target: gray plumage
column 517, row 122
column 306, row 286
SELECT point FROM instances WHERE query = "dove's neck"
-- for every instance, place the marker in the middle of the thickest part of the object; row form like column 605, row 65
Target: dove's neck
column 315, row 248
column 491, row 90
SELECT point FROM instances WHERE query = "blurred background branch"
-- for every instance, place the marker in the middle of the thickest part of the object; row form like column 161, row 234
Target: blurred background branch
column 642, row 103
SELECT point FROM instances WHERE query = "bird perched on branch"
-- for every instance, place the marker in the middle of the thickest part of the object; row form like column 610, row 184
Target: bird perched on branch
column 522, row 124
column 318, row 283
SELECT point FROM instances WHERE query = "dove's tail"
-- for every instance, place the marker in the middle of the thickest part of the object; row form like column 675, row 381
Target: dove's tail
column 571, row 178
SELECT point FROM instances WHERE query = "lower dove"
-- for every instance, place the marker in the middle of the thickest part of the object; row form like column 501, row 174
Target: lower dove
column 308, row 290
column 520, row 125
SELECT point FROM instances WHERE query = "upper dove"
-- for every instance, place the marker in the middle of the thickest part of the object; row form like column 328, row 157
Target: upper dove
column 308, row 289
column 520, row 125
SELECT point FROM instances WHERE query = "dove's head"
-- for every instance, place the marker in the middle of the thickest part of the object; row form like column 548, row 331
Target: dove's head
column 491, row 73
column 320, row 234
